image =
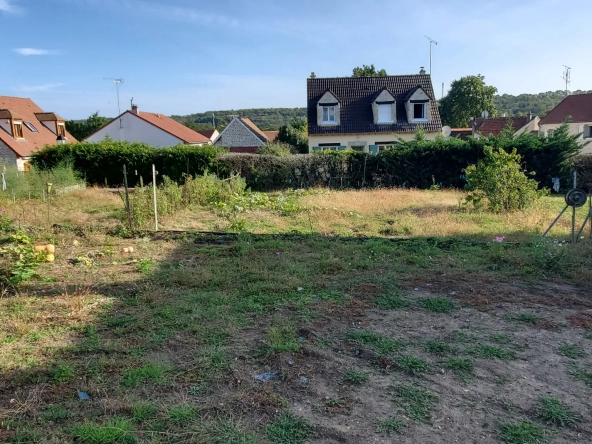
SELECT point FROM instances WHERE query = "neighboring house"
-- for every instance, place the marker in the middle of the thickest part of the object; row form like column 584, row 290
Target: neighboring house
column 25, row 128
column 243, row 136
column 576, row 110
column 210, row 134
column 153, row 129
column 495, row 125
column 368, row 114
column 461, row 133
column 271, row 135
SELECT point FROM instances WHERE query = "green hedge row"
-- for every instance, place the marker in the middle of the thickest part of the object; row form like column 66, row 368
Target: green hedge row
column 103, row 162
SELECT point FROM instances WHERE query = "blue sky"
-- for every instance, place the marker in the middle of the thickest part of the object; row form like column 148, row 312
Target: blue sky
column 184, row 56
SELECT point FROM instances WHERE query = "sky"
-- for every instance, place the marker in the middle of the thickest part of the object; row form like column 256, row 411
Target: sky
column 186, row 56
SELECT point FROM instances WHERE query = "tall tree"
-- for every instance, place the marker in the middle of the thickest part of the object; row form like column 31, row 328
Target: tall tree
column 368, row 71
column 295, row 134
column 468, row 97
column 81, row 129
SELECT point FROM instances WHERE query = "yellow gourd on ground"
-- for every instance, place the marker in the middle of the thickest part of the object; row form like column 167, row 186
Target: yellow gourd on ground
column 50, row 248
column 40, row 247
column 50, row 257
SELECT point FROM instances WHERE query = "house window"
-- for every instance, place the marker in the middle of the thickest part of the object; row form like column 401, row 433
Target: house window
column 329, row 114
column 329, row 146
column 419, row 111
column 588, row 131
column 31, row 127
column 385, row 113
column 18, row 130
column 384, row 145
column 61, row 130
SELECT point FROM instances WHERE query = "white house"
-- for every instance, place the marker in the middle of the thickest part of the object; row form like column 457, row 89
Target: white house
column 153, row 129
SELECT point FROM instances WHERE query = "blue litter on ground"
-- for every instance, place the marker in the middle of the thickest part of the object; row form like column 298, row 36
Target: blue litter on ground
column 302, row 338
column 265, row 376
column 290, row 362
column 83, row 395
column 303, row 378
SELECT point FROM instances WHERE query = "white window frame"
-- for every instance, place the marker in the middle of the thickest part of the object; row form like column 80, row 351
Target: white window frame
column 587, row 132
column 329, row 147
column 390, row 112
column 329, row 109
column 425, row 112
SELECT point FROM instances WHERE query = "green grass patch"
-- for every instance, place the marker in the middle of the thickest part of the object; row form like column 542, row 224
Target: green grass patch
column 134, row 377
column 55, row 413
column 463, row 368
column 553, row 411
column 523, row 432
column 62, row 373
column 500, row 339
column 391, row 301
column 115, row 430
column 462, row 336
column 380, row 344
column 584, row 376
column 491, row 352
column 572, row 351
column 438, row 347
column 181, row 414
column 390, row 426
column 413, row 365
column 526, row 318
column 289, row 429
column 416, row 402
column 356, row 377
column 281, row 339
column 143, row 412
column 437, row 305
column 213, row 362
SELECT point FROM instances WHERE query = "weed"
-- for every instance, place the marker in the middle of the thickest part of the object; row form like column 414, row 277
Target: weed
column 491, row 352
column 281, row 339
column 437, row 305
column 336, row 406
column 63, row 373
column 462, row 337
column 142, row 412
column 572, row 351
column 115, row 430
column 356, row 377
column 148, row 372
column 553, row 411
column 213, row 362
column 526, row 318
column 584, row 376
column 500, row 339
column 289, row 429
column 438, row 347
column 181, row 414
column 144, row 266
column 390, row 426
column 391, row 301
column 416, row 402
column 464, row 368
column 55, row 413
column 523, row 432
column 227, row 431
column 26, row 436
column 379, row 343
column 413, row 365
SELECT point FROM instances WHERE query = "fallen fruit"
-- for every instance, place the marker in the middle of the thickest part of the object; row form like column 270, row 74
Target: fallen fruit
column 50, row 257
column 40, row 247
column 130, row 249
column 50, row 248
column 125, row 250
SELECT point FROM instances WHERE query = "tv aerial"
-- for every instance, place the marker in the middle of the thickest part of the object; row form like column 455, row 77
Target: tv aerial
column 574, row 198
column 117, row 82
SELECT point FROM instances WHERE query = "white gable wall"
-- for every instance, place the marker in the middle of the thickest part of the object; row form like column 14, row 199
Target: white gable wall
column 134, row 129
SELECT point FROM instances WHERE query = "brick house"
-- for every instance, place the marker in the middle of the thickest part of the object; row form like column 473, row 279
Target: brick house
column 25, row 128
column 243, row 136
column 368, row 114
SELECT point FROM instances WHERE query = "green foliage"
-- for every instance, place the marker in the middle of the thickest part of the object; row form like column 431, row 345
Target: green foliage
column 413, row 365
column 523, row 432
column 289, row 429
column 391, row 301
column 295, row 134
column 553, row 411
column 115, row 430
column 390, row 426
column 105, row 160
column 144, row 266
column 572, row 351
column 181, row 414
column 281, row 339
column 463, row 368
column 23, row 260
column 539, row 104
column 368, row 71
column 438, row 347
column 133, row 377
column 275, row 149
column 468, row 97
column 81, row 129
column 380, row 344
column 416, row 402
column 437, row 305
column 264, row 118
column 499, row 180
column 62, row 373
column 356, row 377
column 491, row 352
column 34, row 183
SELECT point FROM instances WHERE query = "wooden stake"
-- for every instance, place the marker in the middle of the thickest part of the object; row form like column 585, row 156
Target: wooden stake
column 127, row 204
column 154, row 191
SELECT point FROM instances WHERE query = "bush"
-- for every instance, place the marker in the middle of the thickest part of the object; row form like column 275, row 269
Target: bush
column 275, row 149
column 499, row 179
column 103, row 161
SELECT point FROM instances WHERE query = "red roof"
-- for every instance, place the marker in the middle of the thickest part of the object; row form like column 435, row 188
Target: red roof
column 172, row 127
column 578, row 107
column 271, row 135
column 254, row 128
column 496, row 125
column 33, row 141
column 207, row 133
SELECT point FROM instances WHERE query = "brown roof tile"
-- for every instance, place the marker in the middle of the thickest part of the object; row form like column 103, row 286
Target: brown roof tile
column 33, row 141
column 173, row 127
column 271, row 135
column 207, row 133
column 578, row 106
column 254, row 128
column 8, row 114
column 496, row 125
column 49, row 117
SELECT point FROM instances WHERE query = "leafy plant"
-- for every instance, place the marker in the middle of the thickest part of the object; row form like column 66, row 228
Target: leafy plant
column 24, row 259
column 412, row 365
column 491, row 352
column 356, row 377
column 416, row 402
column 555, row 412
column 437, row 305
column 382, row 345
column 523, row 432
column 289, row 429
column 438, row 347
column 390, row 426
column 572, row 351
column 115, row 430
column 62, row 373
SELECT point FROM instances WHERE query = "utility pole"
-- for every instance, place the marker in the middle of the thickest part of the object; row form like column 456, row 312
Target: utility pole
column 567, row 78
column 432, row 41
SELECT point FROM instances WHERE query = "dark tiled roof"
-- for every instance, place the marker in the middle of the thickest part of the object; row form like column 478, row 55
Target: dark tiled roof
column 496, row 125
column 254, row 129
column 356, row 94
column 578, row 106
column 49, row 117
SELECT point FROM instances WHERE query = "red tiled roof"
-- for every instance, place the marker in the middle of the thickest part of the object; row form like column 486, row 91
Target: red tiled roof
column 578, row 106
column 271, row 135
column 207, row 133
column 173, row 127
column 254, row 128
column 33, row 141
column 496, row 125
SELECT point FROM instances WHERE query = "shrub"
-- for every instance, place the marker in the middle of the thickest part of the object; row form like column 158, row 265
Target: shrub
column 499, row 179
column 275, row 149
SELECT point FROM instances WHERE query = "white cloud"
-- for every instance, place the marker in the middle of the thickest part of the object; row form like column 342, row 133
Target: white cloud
column 38, row 88
column 34, row 51
column 9, row 7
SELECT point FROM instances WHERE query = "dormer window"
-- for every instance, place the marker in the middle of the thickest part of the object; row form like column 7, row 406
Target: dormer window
column 61, row 129
column 384, row 108
column 385, row 113
column 419, row 111
column 18, row 130
column 329, row 114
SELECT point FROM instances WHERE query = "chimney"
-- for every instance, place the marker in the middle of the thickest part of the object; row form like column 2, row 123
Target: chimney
column 529, row 116
column 135, row 109
column 313, row 75
column 422, row 70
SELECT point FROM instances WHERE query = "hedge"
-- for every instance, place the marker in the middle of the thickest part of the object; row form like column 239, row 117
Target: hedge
column 103, row 162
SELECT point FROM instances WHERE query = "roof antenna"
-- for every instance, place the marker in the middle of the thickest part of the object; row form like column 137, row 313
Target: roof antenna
column 434, row 42
column 117, row 82
column 567, row 78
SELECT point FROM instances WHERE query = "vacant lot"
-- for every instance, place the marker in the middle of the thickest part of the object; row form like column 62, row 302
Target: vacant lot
column 365, row 317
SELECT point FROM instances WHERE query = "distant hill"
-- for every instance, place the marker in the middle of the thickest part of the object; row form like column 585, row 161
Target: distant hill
column 272, row 118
